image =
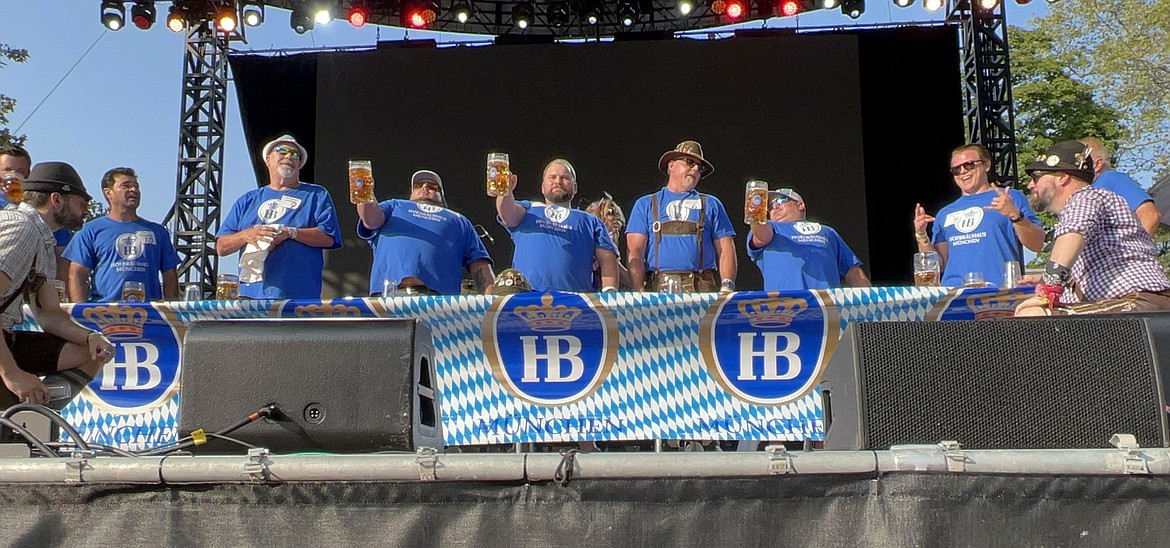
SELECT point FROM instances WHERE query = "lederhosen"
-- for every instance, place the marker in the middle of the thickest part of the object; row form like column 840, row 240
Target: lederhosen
column 692, row 281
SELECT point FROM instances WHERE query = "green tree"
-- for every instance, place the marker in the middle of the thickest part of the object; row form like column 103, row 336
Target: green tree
column 1121, row 48
column 8, row 104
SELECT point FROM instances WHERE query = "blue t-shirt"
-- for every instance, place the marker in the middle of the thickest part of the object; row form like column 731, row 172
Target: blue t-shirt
column 118, row 252
column 979, row 240
column 680, row 252
column 1124, row 186
column 63, row 236
column 555, row 247
column 803, row 255
column 292, row 269
column 429, row 242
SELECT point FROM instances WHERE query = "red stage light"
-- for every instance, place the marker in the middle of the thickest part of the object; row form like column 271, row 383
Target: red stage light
column 789, row 8
column 735, row 9
column 417, row 20
column 357, row 17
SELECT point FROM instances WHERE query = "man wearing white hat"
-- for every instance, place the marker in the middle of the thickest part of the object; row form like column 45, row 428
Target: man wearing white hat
column 420, row 246
column 282, row 229
column 679, row 231
column 795, row 254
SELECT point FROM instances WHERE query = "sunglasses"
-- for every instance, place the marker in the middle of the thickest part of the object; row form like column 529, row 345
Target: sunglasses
column 429, row 185
column 782, row 197
column 691, row 162
column 965, row 166
column 288, row 151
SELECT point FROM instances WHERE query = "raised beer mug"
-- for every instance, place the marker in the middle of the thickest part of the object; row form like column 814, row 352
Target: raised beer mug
column 755, row 203
column 498, row 173
column 361, row 182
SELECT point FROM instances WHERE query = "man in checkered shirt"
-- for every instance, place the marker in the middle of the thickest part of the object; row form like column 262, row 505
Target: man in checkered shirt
column 54, row 196
column 1102, row 260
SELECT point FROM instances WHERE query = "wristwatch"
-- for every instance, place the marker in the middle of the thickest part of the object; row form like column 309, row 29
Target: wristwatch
column 292, row 232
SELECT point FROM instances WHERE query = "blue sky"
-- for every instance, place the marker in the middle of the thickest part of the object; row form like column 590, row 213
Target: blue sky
column 120, row 105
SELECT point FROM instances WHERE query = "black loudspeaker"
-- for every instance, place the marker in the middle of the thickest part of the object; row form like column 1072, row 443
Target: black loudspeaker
column 1038, row 383
column 341, row 385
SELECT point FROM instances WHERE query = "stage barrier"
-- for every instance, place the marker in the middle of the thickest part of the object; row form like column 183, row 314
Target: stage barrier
column 551, row 367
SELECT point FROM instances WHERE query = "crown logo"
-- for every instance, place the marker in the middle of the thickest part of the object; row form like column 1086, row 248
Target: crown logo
column 774, row 312
column 546, row 317
column 117, row 322
column 987, row 307
column 327, row 311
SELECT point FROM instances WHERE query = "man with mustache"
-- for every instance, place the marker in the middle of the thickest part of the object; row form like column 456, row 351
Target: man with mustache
column 1102, row 260
column 121, row 247
column 282, row 229
column 982, row 229
column 556, row 245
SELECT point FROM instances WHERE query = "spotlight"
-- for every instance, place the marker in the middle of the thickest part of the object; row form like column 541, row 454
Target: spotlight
column 253, row 14
column 357, row 16
column 627, row 14
column 113, row 14
column 903, row 3
column 988, row 4
column 591, row 12
column 828, row 4
column 462, row 10
column 143, row 14
column 301, row 19
column 422, row 14
column 323, row 14
column 226, row 18
column 558, row 13
column 788, row 8
column 736, row 9
column 1023, row 2
column 933, row 5
column 177, row 18
column 522, row 15
column 853, row 8
column 685, row 7
column 718, row 7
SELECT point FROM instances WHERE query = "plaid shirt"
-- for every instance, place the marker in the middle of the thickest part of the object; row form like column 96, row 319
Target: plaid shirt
column 1119, row 254
column 23, row 237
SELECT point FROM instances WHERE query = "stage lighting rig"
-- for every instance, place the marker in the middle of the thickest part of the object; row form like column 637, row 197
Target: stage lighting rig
column 736, row 9
column 301, row 19
column 988, row 4
column 113, row 14
column 226, row 18
column 853, row 8
column 522, row 14
column 685, row 7
column 903, row 3
column 322, row 13
column 143, row 14
column 253, row 14
column 627, row 13
column 559, row 13
column 828, row 4
column 420, row 15
column 462, row 10
column 177, row 18
column 933, row 5
column 591, row 12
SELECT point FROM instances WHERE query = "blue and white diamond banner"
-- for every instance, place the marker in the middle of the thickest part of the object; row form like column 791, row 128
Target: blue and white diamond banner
column 552, row 367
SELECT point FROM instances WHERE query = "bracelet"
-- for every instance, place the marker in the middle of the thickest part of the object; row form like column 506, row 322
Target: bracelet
column 921, row 237
column 91, row 334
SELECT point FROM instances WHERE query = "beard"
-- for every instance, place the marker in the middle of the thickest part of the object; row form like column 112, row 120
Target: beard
column 558, row 196
column 68, row 220
column 1038, row 202
column 286, row 171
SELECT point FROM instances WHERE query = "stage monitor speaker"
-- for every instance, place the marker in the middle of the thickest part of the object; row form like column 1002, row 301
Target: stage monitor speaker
column 1002, row 384
column 341, row 385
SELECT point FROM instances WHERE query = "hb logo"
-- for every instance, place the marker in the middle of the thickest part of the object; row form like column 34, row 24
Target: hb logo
column 549, row 349
column 771, row 350
column 144, row 372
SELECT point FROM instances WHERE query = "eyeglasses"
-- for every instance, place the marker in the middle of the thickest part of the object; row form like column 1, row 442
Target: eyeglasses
column 691, row 162
column 429, row 185
column 288, row 151
column 965, row 166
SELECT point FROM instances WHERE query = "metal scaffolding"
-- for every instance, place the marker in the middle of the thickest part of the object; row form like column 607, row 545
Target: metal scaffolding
column 194, row 218
column 987, row 85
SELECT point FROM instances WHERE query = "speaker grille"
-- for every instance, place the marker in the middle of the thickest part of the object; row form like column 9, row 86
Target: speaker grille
column 1055, row 383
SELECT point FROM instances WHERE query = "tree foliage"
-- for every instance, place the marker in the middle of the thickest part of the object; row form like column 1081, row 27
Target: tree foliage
column 8, row 104
column 1121, row 48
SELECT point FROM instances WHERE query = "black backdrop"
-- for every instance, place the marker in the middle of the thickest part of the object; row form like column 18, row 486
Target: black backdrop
column 860, row 123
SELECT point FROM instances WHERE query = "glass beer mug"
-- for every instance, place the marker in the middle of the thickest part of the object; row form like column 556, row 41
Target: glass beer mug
column 133, row 292
column 227, row 287
column 361, row 182
column 926, row 269
column 497, row 174
column 755, row 203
